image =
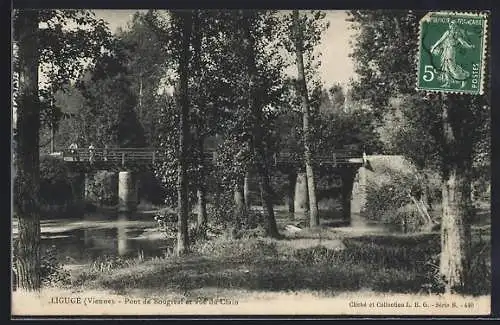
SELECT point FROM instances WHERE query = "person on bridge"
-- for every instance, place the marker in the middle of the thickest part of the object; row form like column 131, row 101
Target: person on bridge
column 91, row 153
column 73, row 149
column 105, row 152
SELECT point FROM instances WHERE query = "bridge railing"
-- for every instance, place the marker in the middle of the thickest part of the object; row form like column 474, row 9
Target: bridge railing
column 150, row 156
column 113, row 155
column 339, row 156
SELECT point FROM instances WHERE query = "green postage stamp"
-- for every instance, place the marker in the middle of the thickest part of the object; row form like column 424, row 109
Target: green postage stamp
column 452, row 49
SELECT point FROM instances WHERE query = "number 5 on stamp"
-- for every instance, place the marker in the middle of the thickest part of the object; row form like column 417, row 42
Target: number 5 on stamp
column 452, row 49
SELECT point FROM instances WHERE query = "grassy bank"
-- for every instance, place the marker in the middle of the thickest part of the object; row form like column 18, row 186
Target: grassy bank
column 377, row 263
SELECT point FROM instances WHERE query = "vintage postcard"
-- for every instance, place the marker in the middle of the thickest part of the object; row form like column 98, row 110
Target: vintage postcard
column 241, row 162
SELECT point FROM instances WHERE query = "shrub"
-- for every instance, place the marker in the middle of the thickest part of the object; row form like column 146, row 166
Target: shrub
column 314, row 255
column 409, row 218
column 480, row 280
column 254, row 232
column 389, row 201
column 221, row 213
column 102, row 188
column 55, row 186
column 108, row 263
column 166, row 221
column 52, row 271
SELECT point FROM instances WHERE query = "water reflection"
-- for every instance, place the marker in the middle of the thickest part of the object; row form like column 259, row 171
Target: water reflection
column 111, row 234
column 121, row 230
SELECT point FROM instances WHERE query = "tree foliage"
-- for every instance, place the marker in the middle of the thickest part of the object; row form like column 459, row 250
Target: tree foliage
column 109, row 116
column 385, row 56
column 439, row 131
column 55, row 188
column 68, row 41
column 40, row 38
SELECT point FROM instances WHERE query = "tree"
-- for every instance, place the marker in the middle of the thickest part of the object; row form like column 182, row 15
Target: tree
column 183, row 21
column 384, row 51
column 241, row 115
column 256, row 86
column 109, row 116
column 71, row 103
column 332, row 99
column 27, row 263
column 60, row 53
column 146, row 62
column 200, row 121
column 221, row 102
column 311, row 187
column 460, row 117
column 302, row 35
column 339, row 129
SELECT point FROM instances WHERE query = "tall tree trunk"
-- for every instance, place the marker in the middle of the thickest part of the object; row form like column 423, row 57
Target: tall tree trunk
column 182, row 182
column 200, row 137
column 52, row 138
column 246, row 189
column 292, row 179
column 140, row 97
column 201, row 192
column 53, row 126
column 426, row 193
column 311, row 186
column 27, row 262
column 239, row 203
column 455, row 225
column 248, row 45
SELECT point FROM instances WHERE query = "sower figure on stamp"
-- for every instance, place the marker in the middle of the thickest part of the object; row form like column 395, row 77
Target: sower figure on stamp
column 446, row 48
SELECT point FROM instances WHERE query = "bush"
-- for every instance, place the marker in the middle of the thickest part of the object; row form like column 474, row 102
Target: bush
column 109, row 263
column 166, row 221
column 314, row 255
column 389, row 201
column 222, row 212
column 52, row 271
column 102, row 188
column 55, row 186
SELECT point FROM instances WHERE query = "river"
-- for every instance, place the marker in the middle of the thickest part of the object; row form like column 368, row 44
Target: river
column 80, row 241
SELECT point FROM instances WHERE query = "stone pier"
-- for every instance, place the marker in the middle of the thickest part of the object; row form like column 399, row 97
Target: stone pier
column 359, row 191
column 347, row 176
column 127, row 191
column 301, row 194
column 88, row 195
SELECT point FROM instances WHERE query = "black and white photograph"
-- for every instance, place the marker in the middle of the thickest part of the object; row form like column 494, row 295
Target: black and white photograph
column 250, row 162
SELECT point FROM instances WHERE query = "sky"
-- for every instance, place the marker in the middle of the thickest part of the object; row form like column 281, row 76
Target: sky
column 336, row 66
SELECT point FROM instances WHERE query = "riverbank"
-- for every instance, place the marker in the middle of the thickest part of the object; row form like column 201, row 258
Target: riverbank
column 307, row 272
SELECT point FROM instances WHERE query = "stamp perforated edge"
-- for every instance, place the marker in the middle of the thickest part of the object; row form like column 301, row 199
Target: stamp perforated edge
column 484, row 15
